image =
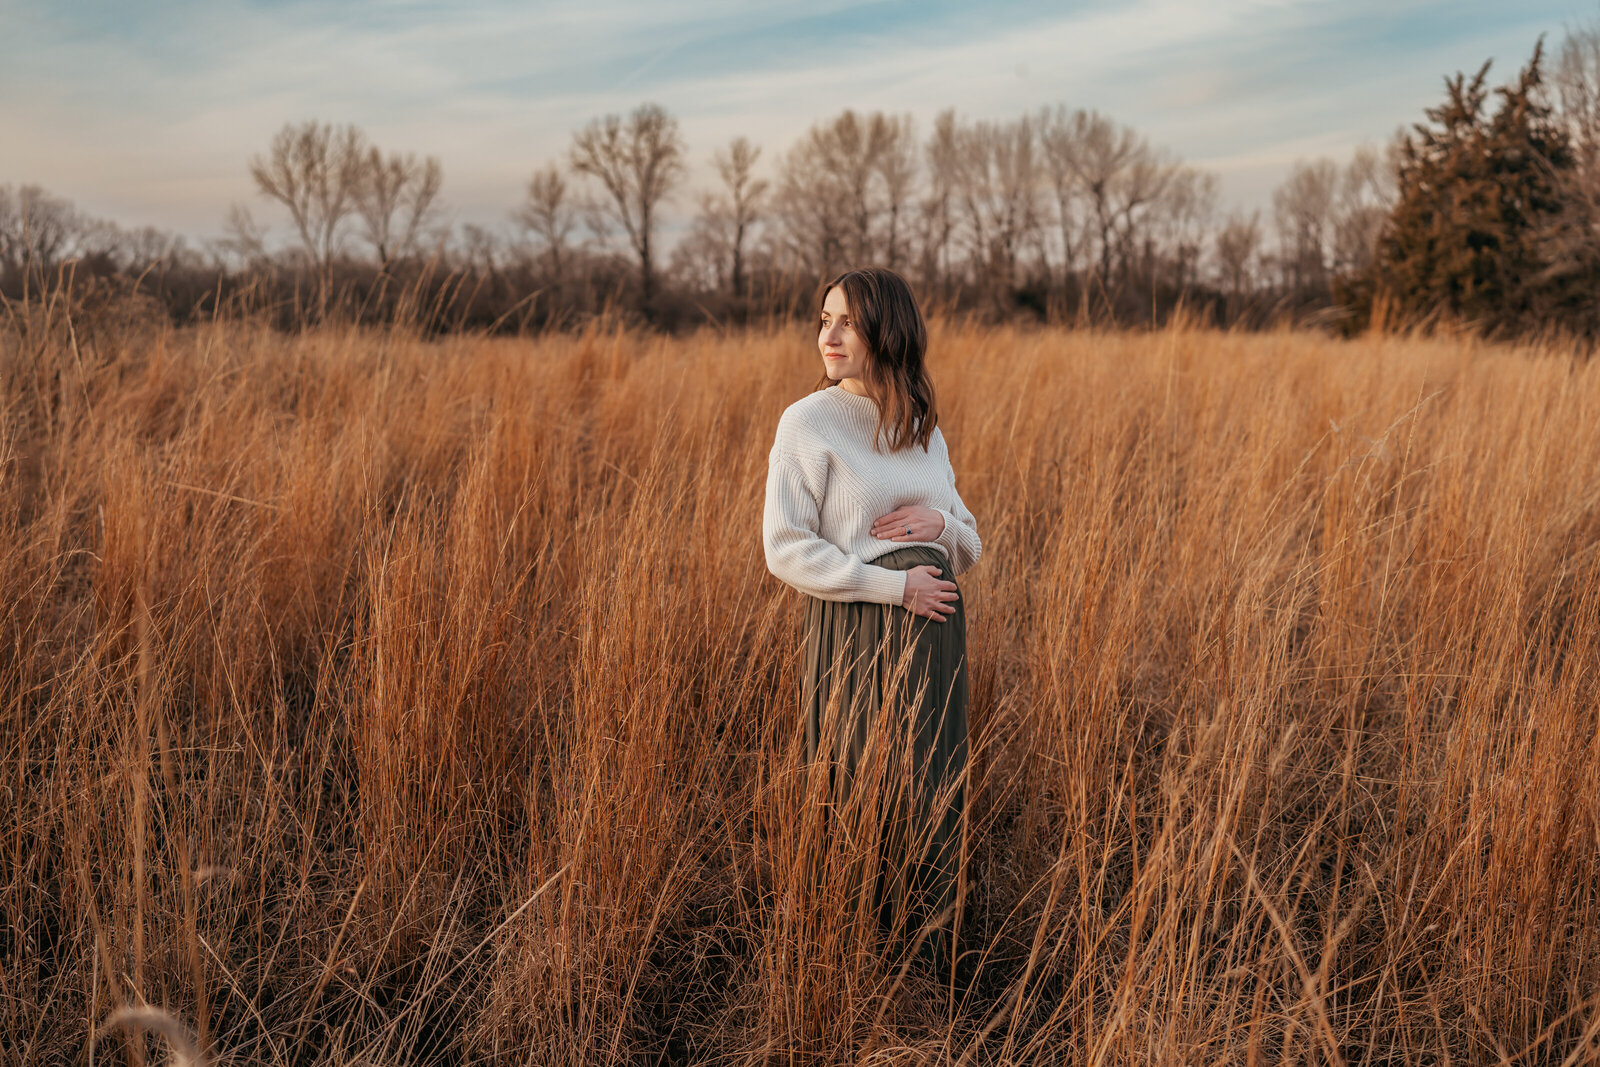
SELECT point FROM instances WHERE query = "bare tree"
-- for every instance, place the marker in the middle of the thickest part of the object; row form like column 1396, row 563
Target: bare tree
column 480, row 249
column 1180, row 219
column 1573, row 243
column 138, row 250
column 1576, row 85
column 1365, row 197
column 834, row 178
column 1303, row 207
column 712, row 254
column 38, row 231
column 639, row 161
column 943, row 157
column 896, row 167
column 243, row 237
column 808, row 203
column 315, row 172
column 394, row 196
column 743, row 193
column 847, row 152
column 703, row 258
column 1238, row 248
column 999, row 185
column 10, row 232
column 1120, row 176
column 1062, row 167
column 845, row 191
column 551, row 214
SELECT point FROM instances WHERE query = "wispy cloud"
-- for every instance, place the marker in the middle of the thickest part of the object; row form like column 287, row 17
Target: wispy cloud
column 149, row 112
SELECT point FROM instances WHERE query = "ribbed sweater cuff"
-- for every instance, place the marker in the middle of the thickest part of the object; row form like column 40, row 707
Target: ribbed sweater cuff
column 949, row 537
column 888, row 586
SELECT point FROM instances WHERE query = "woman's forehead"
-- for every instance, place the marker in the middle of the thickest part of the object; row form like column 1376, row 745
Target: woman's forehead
column 835, row 301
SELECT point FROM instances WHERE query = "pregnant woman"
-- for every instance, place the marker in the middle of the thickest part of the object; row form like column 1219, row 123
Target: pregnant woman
column 863, row 517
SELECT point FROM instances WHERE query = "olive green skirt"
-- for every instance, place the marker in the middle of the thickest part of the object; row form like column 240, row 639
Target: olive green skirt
column 884, row 693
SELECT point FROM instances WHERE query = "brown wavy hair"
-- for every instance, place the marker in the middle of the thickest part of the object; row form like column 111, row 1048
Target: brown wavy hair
column 888, row 320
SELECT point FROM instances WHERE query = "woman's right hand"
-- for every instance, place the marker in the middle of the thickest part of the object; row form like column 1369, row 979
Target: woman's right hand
column 927, row 594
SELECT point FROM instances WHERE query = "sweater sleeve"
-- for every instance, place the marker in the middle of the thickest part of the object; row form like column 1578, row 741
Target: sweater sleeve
column 960, row 534
column 799, row 555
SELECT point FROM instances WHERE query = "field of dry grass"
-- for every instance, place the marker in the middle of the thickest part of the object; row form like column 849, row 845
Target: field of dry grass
column 366, row 699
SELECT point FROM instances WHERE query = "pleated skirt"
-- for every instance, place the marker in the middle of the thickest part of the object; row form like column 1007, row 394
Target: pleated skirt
column 884, row 693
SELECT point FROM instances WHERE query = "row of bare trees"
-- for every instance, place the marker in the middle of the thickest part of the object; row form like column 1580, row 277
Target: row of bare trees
column 1053, row 204
column 1055, row 207
column 1060, row 212
column 1067, row 205
column 1064, row 201
column 40, row 232
column 325, row 176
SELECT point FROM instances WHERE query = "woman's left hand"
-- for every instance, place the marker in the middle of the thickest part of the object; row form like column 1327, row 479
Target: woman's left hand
column 926, row 524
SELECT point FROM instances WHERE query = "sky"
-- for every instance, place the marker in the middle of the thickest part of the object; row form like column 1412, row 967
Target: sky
column 148, row 112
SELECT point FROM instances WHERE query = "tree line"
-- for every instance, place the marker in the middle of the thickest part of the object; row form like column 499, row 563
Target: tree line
column 1483, row 215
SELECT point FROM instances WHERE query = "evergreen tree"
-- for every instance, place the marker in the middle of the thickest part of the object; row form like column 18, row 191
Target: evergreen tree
column 1478, row 199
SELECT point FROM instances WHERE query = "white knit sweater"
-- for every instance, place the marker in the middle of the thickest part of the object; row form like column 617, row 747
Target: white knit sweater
column 827, row 483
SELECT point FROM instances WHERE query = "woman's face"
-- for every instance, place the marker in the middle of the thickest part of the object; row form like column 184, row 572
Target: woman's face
column 844, row 353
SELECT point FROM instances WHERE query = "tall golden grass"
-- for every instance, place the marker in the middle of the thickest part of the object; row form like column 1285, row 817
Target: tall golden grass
column 369, row 699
